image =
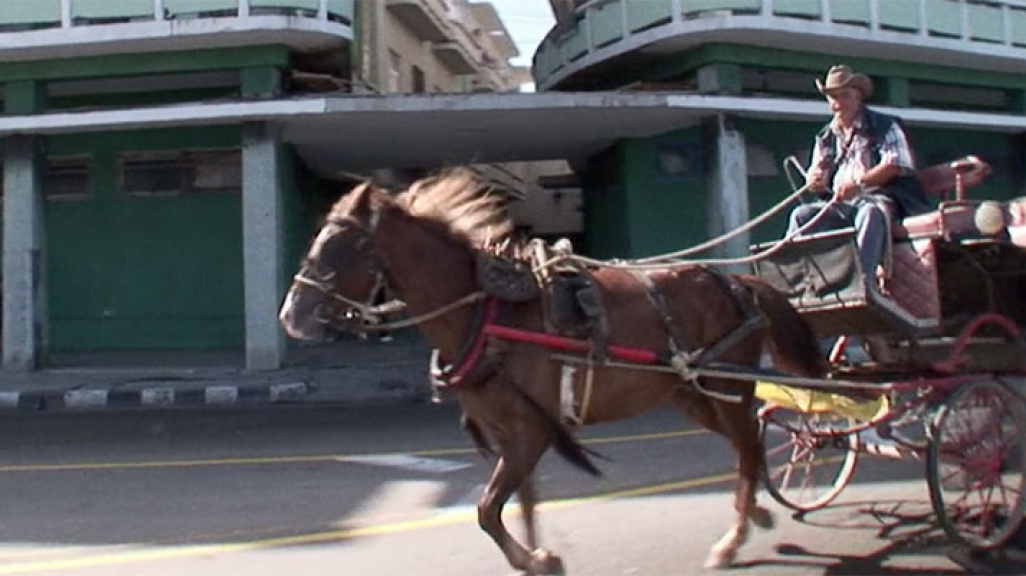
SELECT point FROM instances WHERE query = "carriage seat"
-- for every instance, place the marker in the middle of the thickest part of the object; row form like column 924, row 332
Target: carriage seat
column 952, row 218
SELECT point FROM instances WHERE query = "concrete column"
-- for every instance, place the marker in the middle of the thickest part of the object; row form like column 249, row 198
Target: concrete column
column 262, row 245
column 728, row 189
column 25, row 338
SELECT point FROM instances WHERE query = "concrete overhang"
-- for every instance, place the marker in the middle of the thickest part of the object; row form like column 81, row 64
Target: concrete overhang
column 353, row 133
column 177, row 34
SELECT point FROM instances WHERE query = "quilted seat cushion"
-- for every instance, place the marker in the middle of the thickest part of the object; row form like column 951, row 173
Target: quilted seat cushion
column 913, row 279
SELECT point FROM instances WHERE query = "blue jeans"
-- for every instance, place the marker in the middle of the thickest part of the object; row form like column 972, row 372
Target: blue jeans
column 869, row 215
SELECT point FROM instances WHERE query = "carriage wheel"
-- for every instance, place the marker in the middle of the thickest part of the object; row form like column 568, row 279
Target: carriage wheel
column 976, row 464
column 804, row 467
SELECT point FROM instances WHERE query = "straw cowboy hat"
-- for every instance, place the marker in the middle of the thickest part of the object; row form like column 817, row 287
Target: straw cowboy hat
column 842, row 76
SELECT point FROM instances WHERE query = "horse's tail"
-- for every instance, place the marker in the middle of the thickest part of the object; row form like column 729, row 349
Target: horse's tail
column 565, row 444
column 792, row 343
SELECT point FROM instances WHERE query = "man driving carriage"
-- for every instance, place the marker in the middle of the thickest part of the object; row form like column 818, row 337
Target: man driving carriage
column 864, row 159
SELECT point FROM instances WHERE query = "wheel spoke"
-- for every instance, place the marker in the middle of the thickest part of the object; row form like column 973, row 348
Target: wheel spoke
column 806, row 464
column 975, row 464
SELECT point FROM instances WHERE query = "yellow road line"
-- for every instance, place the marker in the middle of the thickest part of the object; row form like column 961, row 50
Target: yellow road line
column 255, row 461
column 149, row 555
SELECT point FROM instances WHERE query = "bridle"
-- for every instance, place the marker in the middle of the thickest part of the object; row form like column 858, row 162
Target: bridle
column 365, row 316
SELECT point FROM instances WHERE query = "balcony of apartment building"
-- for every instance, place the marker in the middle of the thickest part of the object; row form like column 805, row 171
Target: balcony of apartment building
column 449, row 34
column 36, row 29
column 600, row 36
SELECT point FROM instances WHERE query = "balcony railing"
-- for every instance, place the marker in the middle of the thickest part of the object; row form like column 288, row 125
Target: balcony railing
column 461, row 53
column 26, row 15
column 603, row 29
column 427, row 19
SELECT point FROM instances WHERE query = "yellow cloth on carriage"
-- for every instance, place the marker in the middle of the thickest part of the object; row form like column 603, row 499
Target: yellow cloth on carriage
column 819, row 401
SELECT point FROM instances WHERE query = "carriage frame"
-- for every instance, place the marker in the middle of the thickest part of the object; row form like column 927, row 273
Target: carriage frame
column 952, row 392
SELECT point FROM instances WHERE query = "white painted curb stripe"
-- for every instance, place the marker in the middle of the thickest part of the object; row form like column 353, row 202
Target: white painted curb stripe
column 85, row 398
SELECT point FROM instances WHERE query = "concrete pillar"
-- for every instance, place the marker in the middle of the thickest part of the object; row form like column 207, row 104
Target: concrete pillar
column 262, row 245
column 25, row 317
column 25, row 338
column 728, row 189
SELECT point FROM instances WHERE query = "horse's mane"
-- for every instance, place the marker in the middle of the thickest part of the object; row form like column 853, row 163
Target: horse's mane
column 463, row 202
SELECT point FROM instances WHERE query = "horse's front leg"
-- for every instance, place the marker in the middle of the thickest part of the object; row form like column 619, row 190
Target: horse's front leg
column 743, row 432
column 510, row 475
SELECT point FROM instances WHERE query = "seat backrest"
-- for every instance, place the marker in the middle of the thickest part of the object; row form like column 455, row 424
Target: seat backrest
column 953, row 177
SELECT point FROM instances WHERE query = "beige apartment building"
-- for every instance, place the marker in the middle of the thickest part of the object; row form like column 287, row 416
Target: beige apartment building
column 446, row 46
column 435, row 46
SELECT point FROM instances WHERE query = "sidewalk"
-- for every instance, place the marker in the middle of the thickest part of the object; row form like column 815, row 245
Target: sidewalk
column 350, row 372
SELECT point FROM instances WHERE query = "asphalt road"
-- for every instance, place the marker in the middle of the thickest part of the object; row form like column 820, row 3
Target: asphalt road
column 390, row 490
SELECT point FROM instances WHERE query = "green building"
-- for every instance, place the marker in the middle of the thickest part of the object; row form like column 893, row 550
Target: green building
column 164, row 161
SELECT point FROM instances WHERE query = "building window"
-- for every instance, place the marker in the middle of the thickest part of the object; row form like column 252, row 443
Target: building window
column 66, row 177
column 395, row 74
column 419, row 81
column 180, row 172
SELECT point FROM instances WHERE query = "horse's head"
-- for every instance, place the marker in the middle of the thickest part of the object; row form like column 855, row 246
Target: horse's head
column 341, row 274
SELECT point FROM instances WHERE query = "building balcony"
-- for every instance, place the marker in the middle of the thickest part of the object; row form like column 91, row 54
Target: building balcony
column 455, row 57
column 39, row 29
column 988, row 35
column 428, row 19
column 460, row 53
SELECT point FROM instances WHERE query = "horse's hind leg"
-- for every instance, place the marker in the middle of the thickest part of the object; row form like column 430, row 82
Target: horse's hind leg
column 512, row 473
column 744, row 435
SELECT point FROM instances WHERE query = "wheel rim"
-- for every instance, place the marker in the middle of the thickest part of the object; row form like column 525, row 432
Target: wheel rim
column 804, row 467
column 976, row 464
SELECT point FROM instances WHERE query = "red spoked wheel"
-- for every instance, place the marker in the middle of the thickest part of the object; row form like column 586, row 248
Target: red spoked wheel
column 976, row 464
column 805, row 466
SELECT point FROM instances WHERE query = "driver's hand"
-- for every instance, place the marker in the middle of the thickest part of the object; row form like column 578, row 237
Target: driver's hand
column 814, row 179
column 847, row 191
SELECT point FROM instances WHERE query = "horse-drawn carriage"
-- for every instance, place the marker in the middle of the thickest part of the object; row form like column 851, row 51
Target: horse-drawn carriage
column 549, row 341
column 948, row 311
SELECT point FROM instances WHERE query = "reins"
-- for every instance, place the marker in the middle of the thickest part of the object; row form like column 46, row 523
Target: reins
column 675, row 259
column 427, row 316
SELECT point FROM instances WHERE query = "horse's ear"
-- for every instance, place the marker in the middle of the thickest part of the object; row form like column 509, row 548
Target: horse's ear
column 362, row 200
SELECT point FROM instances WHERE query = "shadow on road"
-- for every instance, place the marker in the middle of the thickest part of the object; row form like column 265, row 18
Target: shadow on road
column 906, row 528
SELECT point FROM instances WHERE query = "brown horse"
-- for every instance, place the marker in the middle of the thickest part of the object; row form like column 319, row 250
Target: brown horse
column 422, row 245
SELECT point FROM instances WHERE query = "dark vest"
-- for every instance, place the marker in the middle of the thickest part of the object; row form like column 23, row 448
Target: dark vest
column 904, row 191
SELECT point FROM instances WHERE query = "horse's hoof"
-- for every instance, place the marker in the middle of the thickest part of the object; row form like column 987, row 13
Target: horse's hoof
column 545, row 562
column 762, row 518
column 720, row 559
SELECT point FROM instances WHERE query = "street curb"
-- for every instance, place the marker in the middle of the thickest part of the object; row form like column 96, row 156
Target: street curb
column 155, row 397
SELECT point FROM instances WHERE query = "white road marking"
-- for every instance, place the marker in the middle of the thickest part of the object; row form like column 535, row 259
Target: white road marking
column 407, row 462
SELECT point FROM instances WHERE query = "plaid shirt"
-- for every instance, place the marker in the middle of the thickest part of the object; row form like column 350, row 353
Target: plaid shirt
column 854, row 152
